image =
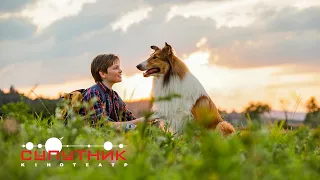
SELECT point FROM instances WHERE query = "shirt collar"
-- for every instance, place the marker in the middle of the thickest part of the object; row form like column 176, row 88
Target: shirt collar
column 104, row 87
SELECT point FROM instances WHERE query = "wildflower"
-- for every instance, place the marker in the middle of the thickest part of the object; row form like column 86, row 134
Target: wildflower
column 10, row 126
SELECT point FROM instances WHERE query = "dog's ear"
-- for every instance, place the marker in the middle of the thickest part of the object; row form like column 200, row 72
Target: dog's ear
column 168, row 48
column 66, row 95
column 155, row 48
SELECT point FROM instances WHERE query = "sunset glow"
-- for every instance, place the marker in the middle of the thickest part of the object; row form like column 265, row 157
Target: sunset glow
column 241, row 51
column 230, row 88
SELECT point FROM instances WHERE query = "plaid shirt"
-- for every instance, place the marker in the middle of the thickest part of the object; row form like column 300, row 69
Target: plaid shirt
column 104, row 109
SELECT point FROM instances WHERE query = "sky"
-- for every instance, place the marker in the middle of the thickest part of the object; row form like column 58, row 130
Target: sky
column 240, row 50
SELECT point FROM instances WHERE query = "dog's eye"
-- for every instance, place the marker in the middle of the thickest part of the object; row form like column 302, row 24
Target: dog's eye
column 154, row 57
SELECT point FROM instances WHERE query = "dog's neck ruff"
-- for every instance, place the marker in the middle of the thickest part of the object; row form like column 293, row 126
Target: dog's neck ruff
column 177, row 111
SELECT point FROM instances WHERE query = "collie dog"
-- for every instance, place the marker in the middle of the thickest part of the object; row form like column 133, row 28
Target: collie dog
column 172, row 76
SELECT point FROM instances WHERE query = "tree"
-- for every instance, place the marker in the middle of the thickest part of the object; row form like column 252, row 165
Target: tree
column 313, row 115
column 284, row 103
column 256, row 109
column 12, row 90
column 19, row 111
column 13, row 104
column 312, row 105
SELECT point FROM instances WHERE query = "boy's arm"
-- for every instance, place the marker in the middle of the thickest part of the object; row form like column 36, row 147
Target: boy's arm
column 122, row 125
column 160, row 123
column 125, row 112
column 100, row 111
column 135, row 121
column 98, row 108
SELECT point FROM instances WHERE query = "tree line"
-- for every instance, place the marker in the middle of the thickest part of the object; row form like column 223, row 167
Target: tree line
column 13, row 101
column 255, row 109
column 39, row 106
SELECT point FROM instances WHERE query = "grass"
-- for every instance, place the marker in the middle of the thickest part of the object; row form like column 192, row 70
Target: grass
column 256, row 153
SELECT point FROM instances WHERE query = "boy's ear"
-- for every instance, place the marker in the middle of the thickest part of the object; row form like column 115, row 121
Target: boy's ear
column 101, row 73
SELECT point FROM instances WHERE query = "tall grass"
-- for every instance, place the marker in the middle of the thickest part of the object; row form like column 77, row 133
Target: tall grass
column 257, row 153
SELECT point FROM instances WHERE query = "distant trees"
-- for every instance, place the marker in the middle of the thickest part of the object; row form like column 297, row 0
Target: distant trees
column 10, row 103
column 254, row 110
column 313, row 116
column 14, row 102
column 12, row 90
column 20, row 111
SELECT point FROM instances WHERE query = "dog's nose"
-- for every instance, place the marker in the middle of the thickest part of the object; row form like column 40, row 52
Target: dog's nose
column 139, row 66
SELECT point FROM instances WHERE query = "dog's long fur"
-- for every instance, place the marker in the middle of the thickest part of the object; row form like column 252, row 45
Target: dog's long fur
column 173, row 76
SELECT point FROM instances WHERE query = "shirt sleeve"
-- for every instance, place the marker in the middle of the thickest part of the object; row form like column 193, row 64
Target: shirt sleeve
column 98, row 108
column 126, row 113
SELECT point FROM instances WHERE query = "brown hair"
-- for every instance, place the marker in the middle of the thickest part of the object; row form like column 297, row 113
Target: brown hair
column 101, row 63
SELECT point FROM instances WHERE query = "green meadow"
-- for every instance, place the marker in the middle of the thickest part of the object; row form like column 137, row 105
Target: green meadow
column 254, row 152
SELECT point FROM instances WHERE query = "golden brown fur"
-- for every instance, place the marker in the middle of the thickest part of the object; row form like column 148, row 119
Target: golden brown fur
column 207, row 114
column 168, row 63
column 203, row 109
column 75, row 99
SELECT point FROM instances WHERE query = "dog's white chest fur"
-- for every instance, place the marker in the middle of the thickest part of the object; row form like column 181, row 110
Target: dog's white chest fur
column 178, row 110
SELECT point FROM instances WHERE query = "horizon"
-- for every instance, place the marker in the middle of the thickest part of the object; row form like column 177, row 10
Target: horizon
column 241, row 51
column 144, row 100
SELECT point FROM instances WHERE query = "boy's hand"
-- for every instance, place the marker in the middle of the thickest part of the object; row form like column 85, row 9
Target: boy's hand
column 129, row 127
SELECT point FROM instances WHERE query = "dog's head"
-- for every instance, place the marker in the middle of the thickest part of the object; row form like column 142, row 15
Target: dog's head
column 159, row 62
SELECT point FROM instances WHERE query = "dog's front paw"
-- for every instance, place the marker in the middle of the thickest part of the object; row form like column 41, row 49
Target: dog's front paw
column 154, row 122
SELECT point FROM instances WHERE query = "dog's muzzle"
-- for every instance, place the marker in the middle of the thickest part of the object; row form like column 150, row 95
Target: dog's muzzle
column 139, row 66
column 142, row 66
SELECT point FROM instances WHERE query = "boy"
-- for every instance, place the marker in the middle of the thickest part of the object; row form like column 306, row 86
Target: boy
column 105, row 69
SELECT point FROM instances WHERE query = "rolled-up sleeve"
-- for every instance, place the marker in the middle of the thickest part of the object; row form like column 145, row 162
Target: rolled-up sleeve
column 98, row 107
column 127, row 114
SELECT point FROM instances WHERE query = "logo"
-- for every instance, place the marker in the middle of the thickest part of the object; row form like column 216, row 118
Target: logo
column 52, row 150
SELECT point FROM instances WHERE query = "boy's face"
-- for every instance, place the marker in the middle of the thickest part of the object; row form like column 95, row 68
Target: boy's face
column 114, row 74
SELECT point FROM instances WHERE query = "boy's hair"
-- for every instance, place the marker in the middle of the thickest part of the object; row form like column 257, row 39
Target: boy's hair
column 101, row 63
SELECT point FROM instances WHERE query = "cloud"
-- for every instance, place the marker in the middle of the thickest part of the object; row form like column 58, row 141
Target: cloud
column 285, row 37
column 292, row 19
column 27, row 50
column 170, row 2
column 9, row 6
column 56, row 56
column 52, row 45
column 262, row 43
column 43, row 13
column 299, row 69
column 271, row 49
column 40, row 72
column 230, row 13
column 15, row 29
column 241, row 13
column 131, row 18
column 92, row 17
